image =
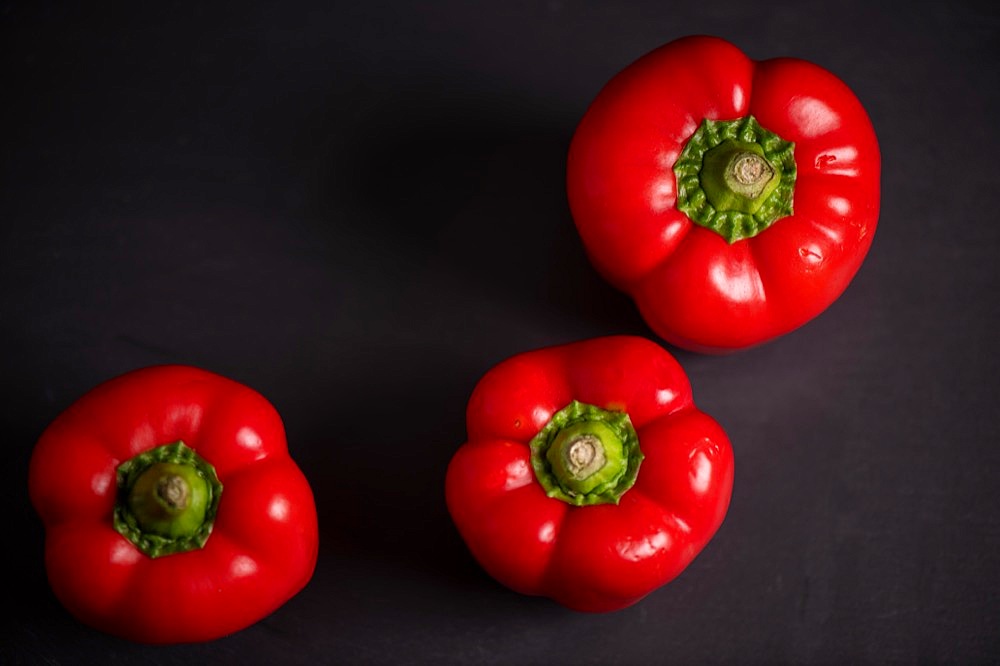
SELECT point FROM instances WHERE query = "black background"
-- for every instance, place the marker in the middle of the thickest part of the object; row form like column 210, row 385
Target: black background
column 358, row 208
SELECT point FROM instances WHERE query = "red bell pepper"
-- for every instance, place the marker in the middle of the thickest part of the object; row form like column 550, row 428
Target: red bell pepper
column 588, row 476
column 734, row 200
column 173, row 511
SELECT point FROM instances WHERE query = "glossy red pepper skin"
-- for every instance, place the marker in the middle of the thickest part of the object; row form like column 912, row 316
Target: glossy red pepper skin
column 693, row 288
column 264, row 544
column 589, row 558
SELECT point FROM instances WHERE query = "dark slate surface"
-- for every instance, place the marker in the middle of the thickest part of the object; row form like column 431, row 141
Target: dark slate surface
column 358, row 208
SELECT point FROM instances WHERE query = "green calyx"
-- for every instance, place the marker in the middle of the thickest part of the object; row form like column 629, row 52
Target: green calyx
column 167, row 500
column 586, row 455
column 735, row 177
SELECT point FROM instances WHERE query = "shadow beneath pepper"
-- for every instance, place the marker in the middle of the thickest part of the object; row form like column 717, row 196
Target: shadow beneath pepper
column 455, row 199
column 462, row 252
column 396, row 416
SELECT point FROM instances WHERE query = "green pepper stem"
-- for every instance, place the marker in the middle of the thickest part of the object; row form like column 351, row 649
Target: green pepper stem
column 735, row 178
column 168, row 498
column 586, row 455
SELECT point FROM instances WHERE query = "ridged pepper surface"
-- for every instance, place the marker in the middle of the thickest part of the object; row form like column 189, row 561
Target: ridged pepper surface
column 588, row 475
column 733, row 199
column 173, row 511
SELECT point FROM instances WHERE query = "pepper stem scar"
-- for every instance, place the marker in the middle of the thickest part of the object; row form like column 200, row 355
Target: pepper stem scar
column 174, row 491
column 752, row 170
column 584, row 456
